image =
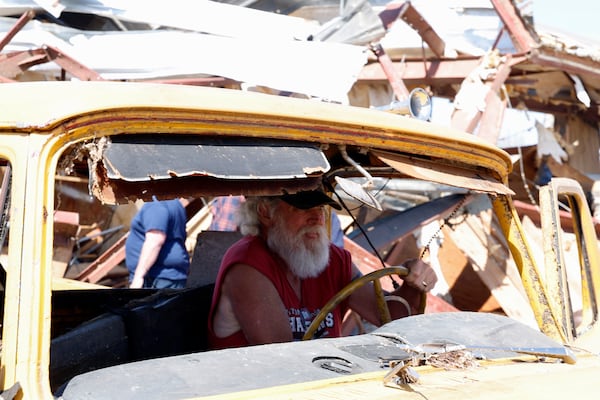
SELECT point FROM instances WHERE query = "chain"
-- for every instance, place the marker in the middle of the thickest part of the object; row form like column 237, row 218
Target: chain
column 445, row 222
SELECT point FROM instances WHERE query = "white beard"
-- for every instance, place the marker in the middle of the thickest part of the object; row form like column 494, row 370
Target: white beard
column 304, row 261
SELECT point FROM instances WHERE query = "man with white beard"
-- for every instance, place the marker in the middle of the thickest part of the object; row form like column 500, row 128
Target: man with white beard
column 275, row 280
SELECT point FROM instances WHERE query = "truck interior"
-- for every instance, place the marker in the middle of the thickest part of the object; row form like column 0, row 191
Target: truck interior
column 101, row 327
column 97, row 325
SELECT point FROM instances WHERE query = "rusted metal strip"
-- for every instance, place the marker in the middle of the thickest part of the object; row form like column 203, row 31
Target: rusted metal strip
column 398, row 86
column 21, row 22
column 415, row 20
column 72, row 66
column 105, row 262
column 522, row 38
column 13, row 64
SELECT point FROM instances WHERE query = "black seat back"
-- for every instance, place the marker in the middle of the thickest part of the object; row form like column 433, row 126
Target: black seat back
column 206, row 259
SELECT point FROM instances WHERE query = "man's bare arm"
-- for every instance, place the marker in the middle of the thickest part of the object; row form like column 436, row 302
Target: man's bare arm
column 153, row 242
column 256, row 305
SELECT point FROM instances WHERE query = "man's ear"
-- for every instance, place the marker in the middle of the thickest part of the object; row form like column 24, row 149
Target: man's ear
column 263, row 210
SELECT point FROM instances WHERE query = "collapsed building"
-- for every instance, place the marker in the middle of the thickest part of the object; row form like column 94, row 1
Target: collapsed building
column 531, row 92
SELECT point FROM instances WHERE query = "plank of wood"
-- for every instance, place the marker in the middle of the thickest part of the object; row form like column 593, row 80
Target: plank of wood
column 488, row 253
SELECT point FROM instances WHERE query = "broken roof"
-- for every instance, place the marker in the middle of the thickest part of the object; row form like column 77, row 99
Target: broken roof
column 426, row 40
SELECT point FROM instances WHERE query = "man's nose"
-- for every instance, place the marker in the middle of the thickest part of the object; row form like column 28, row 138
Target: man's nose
column 316, row 215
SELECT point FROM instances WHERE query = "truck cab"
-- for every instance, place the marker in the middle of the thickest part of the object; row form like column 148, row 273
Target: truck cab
column 75, row 336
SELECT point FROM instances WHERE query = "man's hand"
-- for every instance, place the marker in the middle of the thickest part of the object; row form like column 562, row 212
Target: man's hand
column 137, row 282
column 421, row 276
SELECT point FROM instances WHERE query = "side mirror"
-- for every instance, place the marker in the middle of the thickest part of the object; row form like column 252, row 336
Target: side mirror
column 418, row 105
column 358, row 192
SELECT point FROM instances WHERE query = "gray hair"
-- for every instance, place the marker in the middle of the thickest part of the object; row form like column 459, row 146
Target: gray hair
column 248, row 213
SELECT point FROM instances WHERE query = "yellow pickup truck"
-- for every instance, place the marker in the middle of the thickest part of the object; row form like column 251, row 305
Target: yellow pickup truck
column 69, row 339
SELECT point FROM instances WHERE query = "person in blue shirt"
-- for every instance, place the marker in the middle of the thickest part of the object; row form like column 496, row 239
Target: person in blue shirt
column 155, row 252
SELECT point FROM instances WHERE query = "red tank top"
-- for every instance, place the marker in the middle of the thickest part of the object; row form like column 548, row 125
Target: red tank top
column 316, row 292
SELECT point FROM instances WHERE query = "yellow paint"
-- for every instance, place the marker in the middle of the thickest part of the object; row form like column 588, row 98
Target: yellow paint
column 34, row 131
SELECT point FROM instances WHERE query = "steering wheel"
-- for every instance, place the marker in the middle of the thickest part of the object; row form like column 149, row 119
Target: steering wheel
column 374, row 277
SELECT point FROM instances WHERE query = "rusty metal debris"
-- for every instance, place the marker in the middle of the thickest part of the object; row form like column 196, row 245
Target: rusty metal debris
column 401, row 375
column 455, row 359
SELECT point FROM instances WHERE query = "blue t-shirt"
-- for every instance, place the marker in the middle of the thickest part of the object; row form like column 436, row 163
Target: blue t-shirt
column 169, row 216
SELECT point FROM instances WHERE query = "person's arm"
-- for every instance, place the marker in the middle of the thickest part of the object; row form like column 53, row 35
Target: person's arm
column 153, row 242
column 421, row 278
column 364, row 302
column 256, row 305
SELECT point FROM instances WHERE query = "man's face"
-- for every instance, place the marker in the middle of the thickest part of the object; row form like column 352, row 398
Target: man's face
column 300, row 238
column 305, row 223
